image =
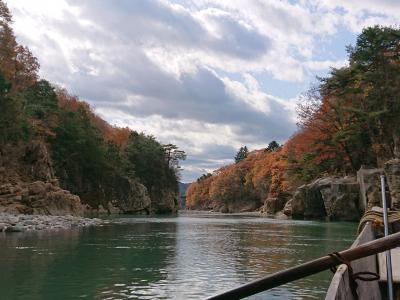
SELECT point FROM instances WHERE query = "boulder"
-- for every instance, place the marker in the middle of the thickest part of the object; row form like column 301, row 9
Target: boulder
column 15, row 228
column 58, row 203
column 37, row 187
column 129, row 195
column 341, row 199
column 236, row 206
column 274, row 205
column 38, row 198
column 287, row 210
column 307, row 202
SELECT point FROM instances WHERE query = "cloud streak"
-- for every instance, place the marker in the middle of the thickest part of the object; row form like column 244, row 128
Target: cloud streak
column 198, row 73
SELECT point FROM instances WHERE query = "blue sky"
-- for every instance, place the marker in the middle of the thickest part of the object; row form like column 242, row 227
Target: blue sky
column 207, row 75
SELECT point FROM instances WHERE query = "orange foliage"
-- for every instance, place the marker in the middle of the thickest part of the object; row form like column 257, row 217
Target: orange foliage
column 115, row 134
column 17, row 63
column 262, row 174
column 197, row 194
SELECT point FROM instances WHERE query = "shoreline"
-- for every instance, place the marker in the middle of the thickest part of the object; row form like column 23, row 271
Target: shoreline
column 196, row 212
column 25, row 223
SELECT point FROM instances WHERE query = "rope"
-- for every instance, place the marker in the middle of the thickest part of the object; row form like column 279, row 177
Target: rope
column 363, row 276
column 376, row 217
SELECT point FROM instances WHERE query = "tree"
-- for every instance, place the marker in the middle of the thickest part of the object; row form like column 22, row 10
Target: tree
column 17, row 63
column 173, row 155
column 41, row 106
column 352, row 116
column 147, row 159
column 241, row 154
column 273, row 146
column 12, row 119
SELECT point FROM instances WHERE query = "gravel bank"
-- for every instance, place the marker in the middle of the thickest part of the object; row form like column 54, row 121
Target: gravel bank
column 20, row 223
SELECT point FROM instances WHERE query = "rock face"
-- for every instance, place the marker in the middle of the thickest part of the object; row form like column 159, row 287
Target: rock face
column 130, row 196
column 236, row 206
column 39, row 161
column 307, row 202
column 273, row 205
column 38, row 198
column 341, row 199
column 166, row 202
column 370, row 187
column 28, row 186
column 287, row 210
column 392, row 171
column 331, row 197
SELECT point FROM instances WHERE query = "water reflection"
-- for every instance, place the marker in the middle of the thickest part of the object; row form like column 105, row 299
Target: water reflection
column 189, row 257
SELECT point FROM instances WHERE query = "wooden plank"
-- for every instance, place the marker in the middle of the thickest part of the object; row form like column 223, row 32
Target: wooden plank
column 309, row 268
column 395, row 254
column 339, row 288
column 366, row 289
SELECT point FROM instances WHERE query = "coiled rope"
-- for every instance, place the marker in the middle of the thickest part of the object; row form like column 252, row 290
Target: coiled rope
column 375, row 215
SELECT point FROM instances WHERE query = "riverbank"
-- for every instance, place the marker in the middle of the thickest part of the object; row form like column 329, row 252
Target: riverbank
column 217, row 213
column 22, row 223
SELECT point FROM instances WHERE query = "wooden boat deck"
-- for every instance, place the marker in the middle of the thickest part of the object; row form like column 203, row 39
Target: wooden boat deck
column 395, row 254
column 340, row 285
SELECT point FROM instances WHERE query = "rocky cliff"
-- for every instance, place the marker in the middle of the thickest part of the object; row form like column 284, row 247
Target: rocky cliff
column 333, row 198
column 28, row 185
column 347, row 198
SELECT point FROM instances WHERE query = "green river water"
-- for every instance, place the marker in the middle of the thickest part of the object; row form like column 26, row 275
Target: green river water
column 191, row 256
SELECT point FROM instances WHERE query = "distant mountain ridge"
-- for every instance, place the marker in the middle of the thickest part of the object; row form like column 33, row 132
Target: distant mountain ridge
column 182, row 194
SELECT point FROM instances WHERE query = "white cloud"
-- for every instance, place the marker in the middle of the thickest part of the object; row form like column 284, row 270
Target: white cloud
column 186, row 71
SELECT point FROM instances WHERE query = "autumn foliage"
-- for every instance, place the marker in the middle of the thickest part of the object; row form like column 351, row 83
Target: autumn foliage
column 248, row 182
column 111, row 133
column 89, row 157
column 350, row 119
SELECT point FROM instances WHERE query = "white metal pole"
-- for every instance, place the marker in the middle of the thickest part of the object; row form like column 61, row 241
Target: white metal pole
column 386, row 227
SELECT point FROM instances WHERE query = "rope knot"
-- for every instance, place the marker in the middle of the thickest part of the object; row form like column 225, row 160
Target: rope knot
column 363, row 276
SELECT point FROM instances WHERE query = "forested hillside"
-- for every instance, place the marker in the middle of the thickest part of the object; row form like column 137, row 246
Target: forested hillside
column 50, row 136
column 348, row 120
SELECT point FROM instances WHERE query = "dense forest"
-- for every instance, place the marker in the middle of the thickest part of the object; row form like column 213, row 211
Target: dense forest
column 89, row 157
column 348, row 120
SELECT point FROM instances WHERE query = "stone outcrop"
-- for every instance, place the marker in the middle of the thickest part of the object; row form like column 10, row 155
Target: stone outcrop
column 236, row 206
column 28, row 185
column 165, row 202
column 307, row 202
column 370, row 187
column 130, row 196
column 330, row 197
column 39, row 161
column 273, row 205
column 392, row 171
column 38, row 198
column 287, row 210
column 341, row 198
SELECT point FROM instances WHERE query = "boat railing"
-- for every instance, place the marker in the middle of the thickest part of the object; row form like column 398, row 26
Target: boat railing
column 341, row 285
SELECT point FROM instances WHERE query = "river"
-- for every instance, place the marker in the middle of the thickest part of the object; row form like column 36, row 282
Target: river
column 191, row 256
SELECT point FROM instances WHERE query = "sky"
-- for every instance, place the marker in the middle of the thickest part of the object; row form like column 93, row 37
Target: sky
column 207, row 75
